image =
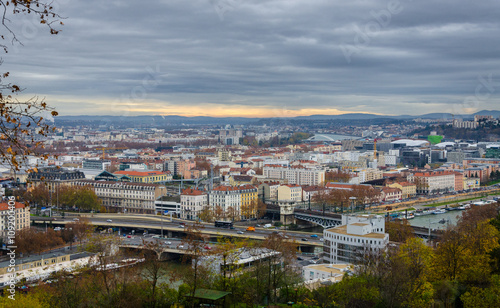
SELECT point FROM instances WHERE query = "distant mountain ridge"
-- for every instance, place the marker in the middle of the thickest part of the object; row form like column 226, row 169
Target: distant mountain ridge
column 202, row 120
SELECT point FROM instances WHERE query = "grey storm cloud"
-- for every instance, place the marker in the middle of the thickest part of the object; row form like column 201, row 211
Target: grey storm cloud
column 390, row 57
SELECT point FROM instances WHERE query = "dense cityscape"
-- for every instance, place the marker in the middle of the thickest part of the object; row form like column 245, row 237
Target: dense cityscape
column 311, row 207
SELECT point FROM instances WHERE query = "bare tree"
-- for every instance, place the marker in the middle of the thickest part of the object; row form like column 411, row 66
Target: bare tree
column 22, row 121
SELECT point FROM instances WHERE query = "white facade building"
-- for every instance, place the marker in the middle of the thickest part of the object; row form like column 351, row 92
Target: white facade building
column 295, row 175
column 192, row 202
column 126, row 196
column 359, row 235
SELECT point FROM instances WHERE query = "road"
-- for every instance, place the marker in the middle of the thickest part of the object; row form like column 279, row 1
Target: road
column 153, row 224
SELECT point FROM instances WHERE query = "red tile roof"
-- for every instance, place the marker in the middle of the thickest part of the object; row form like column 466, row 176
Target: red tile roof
column 5, row 207
column 192, row 192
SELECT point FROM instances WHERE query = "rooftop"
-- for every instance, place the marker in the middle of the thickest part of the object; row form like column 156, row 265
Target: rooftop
column 343, row 230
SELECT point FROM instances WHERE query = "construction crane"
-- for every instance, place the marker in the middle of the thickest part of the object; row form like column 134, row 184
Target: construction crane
column 109, row 148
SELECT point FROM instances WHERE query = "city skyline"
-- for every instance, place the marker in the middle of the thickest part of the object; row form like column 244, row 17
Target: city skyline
column 236, row 58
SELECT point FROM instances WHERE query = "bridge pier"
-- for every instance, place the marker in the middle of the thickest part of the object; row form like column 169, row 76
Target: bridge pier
column 286, row 212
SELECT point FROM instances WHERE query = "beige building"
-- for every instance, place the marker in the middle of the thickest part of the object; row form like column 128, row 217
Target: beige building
column 17, row 210
column 370, row 174
column 126, row 197
column 290, row 192
column 408, row 190
column 269, row 190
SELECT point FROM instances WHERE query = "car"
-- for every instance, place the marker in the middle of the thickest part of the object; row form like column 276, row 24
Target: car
column 57, row 229
column 180, row 246
column 208, row 247
column 76, row 219
column 109, row 220
column 314, row 235
column 257, row 225
column 155, row 236
column 240, row 232
column 304, row 239
column 300, row 258
column 181, row 226
column 321, row 239
column 128, row 236
column 168, row 243
column 315, row 258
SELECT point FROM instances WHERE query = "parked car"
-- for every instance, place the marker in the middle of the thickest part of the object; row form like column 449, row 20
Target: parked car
column 300, row 258
column 76, row 219
column 208, row 247
column 180, row 246
column 128, row 236
column 168, row 243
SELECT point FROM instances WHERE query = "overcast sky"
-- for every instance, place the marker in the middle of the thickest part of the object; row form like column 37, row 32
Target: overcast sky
column 263, row 57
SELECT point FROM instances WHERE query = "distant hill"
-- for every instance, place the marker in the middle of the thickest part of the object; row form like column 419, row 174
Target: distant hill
column 158, row 120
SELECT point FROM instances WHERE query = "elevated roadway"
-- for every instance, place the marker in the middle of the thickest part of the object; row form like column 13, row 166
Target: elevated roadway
column 174, row 228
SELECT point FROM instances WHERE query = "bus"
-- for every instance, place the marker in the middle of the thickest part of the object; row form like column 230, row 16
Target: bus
column 224, row 224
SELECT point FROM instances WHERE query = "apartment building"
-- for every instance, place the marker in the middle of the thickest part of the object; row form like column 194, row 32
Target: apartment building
column 126, row 197
column 290, row 192
column 249, row 198
column 298, row 175
column 391, row 194
column 308, row 192
column 227, row 199
column 192, row 202
column 268, row 190
column 238, row 202
column 53, row 177
column 369, row 174
column 433, row 182
column 96, row 164
column 408, row 190
column 21, row 213
column 349, row 242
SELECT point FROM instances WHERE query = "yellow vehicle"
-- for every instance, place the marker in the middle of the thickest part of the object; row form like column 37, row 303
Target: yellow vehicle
column 251, row 229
